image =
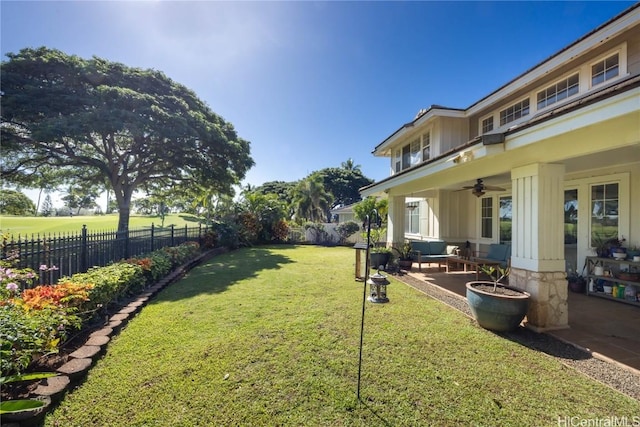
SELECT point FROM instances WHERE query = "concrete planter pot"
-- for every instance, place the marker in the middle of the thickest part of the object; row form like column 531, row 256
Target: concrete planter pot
column 500, row 311
column 378, row 259
column 405, row 264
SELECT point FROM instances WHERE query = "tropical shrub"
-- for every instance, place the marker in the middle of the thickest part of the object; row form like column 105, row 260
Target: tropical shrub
column 35, row 322
column 27, row 334
column 112, row 282
column 228, row 234
column 209, row 240
column 160, row 265
column 280, row 230
column 347, row 229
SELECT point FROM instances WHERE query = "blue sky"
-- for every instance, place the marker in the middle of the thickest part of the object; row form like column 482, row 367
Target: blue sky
column 312, row 84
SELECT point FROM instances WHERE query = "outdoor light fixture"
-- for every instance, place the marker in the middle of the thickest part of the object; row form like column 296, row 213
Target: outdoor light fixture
column 464, row 157
column 378, row 288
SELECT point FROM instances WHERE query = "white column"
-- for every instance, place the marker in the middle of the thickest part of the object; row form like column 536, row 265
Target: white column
column 537, row 253
column 395, row 222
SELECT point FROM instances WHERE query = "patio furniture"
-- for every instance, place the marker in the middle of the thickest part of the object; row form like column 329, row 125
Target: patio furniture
column 499, row 255
column 473, row 264
column 431, row 251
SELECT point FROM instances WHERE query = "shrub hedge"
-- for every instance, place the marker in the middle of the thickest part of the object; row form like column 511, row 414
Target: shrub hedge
column 37, row 321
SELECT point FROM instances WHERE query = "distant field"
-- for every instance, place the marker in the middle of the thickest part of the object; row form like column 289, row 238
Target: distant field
column 33, row 225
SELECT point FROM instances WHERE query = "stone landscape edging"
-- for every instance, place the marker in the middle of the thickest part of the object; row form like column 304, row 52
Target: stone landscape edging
column 52, row 390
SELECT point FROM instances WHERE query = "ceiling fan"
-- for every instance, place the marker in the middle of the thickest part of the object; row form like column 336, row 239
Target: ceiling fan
column 479, row 188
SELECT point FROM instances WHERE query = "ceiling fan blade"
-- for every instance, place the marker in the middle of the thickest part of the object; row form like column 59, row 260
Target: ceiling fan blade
column 493, row 188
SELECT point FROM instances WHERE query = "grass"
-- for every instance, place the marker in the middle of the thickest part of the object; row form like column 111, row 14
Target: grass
column 270, row 336
column 27, row 225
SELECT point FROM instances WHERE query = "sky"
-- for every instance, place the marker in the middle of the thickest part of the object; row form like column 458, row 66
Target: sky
column 312, row 84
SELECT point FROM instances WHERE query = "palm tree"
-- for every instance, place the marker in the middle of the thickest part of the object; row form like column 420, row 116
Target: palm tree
column 311, row 200
column 351, row 166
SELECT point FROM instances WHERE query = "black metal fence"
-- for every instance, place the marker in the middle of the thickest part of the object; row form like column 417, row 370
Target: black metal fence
column 64, row 254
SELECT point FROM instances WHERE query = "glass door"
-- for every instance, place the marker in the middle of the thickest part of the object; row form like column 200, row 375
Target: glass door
column 571, row 230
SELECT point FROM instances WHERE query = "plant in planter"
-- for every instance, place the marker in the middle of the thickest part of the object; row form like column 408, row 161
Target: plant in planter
column 632, row 251
column 404, row 255
column 605, row 246
column 379, row 256
column 8, row 407
column 576, row 282
column 496, row 306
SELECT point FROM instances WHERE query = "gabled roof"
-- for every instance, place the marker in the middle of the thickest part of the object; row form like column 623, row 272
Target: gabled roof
column 590, row 40
column 422, row 116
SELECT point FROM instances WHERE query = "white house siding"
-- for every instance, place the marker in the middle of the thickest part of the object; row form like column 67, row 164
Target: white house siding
column 452, row 132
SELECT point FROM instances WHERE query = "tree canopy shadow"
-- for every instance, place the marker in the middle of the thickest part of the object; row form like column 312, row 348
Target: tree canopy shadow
column 222, row 271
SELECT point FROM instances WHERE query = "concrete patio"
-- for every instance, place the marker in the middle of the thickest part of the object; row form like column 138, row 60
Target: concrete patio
column 610, row 330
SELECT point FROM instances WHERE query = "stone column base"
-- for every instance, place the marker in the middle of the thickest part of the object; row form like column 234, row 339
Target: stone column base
column 548, row 307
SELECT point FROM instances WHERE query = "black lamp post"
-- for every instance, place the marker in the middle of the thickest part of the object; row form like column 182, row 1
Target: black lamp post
column 367, row 223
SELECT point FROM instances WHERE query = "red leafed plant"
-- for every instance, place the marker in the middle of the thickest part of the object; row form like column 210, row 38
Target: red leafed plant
column 65, row 294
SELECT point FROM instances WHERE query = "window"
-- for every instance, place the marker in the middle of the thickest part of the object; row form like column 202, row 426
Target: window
column 426, row 146
column 506, row 216
column 604, row 211
column 605, row 70
column 487, row 124
column 486, row 217
column 559, row 91
column 407, row 156
column 411, row 218
column 415, row 152
column 514, row 112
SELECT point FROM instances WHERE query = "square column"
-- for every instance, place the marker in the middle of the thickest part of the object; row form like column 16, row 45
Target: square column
column 537, row 257
column 395, row 222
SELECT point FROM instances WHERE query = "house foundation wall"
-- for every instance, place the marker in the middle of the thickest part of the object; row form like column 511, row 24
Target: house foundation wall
column 548, row 307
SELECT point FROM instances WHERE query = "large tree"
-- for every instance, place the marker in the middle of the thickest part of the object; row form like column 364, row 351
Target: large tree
column 344, row 184
column 311, row 200
column 15, row 203
column 125, row 126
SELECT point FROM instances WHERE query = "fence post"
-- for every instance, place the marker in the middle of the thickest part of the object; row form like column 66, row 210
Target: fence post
column 172, row 241
column 83, row 249
column 152, row 236
column 186, row 233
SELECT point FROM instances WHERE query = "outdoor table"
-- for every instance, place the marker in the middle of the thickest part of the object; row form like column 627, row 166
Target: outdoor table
column 475, row 263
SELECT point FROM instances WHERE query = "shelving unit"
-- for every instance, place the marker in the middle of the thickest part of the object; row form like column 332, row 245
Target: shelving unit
column 613, row 266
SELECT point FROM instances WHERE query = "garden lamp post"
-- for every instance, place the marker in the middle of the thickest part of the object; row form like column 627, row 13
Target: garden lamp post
column 367, row 223
column 378, row 288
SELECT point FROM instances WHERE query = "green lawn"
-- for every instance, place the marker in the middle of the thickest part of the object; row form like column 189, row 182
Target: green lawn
column 27, row 225
column 270, row 336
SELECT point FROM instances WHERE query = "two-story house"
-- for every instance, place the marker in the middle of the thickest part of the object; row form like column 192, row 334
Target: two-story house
column 558, row 152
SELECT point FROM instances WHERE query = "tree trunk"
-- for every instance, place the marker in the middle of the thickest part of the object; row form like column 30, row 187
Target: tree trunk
column 123, row 197
column 38, row 202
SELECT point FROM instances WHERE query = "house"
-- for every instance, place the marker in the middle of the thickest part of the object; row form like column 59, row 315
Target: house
column 343, row 214
column 547, row 162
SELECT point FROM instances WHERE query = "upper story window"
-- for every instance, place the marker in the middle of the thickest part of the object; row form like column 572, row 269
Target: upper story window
column 559, row 91
column 605, row 69
column 426, row 146
column 413, row 153
column 487, row 124
column 514, row 112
